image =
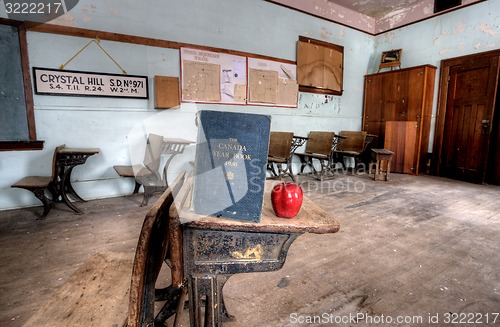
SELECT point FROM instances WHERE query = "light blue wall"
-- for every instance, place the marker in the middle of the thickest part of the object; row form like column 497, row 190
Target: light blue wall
column 118, row 126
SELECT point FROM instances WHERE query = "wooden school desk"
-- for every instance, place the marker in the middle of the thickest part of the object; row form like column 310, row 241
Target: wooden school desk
column 214, row 249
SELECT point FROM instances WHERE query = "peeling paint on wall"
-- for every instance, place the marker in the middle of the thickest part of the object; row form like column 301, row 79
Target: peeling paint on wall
column 486, row 29
column 326, row 34
column 436, row 40
column 460, row 28
column 444, row 51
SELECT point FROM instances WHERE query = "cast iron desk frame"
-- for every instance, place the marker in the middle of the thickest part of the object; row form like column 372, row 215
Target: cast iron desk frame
column 156, row 181
column 66, row 160
column 214, row 249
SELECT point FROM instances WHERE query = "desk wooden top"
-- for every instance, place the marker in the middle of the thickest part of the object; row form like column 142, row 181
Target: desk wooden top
column 311, row 219
column 79, row 150
column 176, row 141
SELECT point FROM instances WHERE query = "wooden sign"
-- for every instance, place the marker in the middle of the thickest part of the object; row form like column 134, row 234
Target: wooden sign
column 75, row 83
column 166, row 92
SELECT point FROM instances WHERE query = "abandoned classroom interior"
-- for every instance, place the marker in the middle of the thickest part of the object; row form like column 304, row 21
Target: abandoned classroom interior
column 418, row 78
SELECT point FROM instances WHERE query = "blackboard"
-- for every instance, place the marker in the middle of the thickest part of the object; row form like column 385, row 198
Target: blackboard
column 13, row 119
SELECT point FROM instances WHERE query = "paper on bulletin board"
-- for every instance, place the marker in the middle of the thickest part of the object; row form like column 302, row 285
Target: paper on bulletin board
column 213, row 77
column 201, row 81
column 263, row 87
column 272, row 82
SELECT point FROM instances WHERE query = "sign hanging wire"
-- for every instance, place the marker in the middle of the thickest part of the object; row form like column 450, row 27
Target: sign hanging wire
column 96, row 41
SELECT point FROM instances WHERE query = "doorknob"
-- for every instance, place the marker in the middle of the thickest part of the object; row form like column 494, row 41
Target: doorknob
column 486, row 126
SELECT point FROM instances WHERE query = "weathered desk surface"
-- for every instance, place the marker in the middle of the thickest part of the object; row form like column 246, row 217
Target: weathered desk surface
column 216, row 248
column 311, row 219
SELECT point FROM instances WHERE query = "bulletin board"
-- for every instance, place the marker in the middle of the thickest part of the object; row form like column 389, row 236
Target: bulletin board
column 272, row 83
column 213, row 77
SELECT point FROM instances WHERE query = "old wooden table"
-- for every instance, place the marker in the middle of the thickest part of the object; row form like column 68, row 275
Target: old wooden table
column 215, row 249
column 66, row 160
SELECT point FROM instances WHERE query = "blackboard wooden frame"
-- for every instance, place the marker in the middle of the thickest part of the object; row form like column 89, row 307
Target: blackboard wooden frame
column 32, row 143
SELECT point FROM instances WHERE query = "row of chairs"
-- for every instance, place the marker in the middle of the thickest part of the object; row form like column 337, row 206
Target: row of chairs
column 327, row 148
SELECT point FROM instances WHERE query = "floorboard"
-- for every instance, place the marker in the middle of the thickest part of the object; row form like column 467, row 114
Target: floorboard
column 415, row 247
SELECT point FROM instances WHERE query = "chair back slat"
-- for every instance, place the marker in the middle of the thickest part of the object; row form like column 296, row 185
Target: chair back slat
column 280, row 144
column 152, row 157
column 320, row 142
column 57, row 150
column 354, row 141
column 151, row 252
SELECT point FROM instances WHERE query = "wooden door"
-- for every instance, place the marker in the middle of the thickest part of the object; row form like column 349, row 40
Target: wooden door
column 469, row 115
column 400, row 138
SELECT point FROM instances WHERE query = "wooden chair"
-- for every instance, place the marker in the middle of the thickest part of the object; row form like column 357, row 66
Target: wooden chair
column 280, row 154
column 160, row 241
column 353, row 145
column 39, row 184
column 147, row 174
column 319, row 146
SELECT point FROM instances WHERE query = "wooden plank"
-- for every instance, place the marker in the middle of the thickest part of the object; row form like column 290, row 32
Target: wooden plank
column 166, row 92
column 95, row 295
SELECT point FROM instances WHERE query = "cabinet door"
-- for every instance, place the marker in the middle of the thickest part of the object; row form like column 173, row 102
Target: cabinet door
column 390, row 96
column 415, row 95
column 400, row 137
column 373, row 98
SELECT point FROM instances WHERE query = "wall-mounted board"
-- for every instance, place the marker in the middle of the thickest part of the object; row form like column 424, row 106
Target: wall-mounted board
column 272, row 83
column 213, row 77
column 320, row 66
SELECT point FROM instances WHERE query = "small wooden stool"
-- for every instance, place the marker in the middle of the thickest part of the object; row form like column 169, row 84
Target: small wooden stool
column 379, row 155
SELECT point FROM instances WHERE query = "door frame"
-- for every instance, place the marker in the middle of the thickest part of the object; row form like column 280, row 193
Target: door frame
column 444, row 77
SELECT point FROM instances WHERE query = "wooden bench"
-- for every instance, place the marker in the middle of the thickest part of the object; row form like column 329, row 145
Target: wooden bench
column 147, row 174
column 39, row 184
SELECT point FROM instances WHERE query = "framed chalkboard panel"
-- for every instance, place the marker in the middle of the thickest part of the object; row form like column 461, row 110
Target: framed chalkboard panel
column 17, row 123
column 13, row 122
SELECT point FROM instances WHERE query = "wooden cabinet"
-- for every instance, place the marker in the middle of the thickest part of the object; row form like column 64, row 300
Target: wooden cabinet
column 401, row 95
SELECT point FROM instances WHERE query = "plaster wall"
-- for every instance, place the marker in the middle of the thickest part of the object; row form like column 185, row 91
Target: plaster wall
column 119, row 127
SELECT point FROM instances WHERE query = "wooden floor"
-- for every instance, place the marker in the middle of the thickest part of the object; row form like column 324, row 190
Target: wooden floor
column 415, row 248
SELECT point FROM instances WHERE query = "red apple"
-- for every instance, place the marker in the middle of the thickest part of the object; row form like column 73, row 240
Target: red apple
column 286, row 199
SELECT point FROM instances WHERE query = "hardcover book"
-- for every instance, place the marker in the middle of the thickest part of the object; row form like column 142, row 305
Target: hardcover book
column 230, row 164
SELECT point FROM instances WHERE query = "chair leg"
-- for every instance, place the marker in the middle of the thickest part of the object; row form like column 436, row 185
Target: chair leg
column 270, row 167
column 290, row 172
column 173, row 298
column 136, row 187
column 47, row 203
column 149, row 191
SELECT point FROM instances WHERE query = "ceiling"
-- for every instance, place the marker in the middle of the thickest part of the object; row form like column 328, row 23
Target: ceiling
column 375, row 8
column 370, row 16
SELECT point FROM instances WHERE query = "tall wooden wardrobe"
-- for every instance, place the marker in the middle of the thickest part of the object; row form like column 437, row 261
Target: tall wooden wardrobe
column 397, row 108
